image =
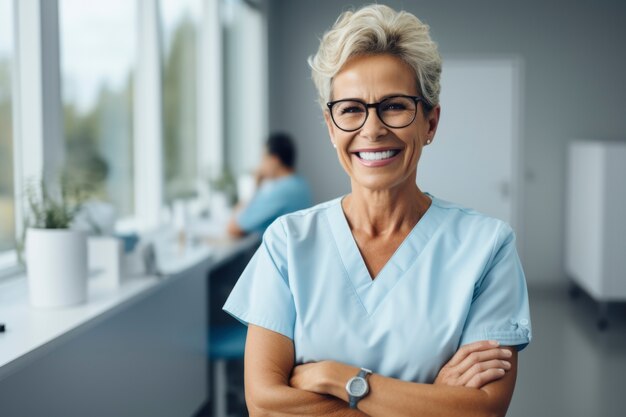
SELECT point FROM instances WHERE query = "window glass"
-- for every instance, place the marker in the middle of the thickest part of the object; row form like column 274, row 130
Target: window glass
column 245, row 80
column 7, row 206
column 180, row 22
column 98, row 41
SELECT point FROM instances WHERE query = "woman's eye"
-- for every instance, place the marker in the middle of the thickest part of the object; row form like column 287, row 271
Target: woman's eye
column 351, row 109
column 393, row 106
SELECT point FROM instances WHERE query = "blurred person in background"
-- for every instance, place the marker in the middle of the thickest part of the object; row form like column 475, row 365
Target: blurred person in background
column 279, row 189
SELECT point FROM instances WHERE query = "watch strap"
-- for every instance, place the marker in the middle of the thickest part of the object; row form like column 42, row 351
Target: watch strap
column 353, row 401
column 363, row 373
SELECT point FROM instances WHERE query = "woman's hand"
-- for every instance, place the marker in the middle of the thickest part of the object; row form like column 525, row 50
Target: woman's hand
column 475, row 365
column 309, row 377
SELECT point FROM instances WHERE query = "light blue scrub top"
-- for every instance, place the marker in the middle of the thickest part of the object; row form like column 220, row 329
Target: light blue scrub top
column 273, row 199
column 456, row 279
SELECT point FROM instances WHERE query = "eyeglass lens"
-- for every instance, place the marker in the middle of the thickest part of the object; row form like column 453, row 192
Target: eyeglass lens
column 394, row 112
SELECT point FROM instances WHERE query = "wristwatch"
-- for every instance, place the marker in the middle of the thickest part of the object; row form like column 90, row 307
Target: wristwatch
column 357, row 387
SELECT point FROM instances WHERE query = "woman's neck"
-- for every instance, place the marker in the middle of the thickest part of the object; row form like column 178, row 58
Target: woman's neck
column 385, row 212
column 282, row 171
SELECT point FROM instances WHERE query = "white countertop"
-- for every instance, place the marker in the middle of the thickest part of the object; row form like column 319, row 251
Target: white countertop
column 31, row 332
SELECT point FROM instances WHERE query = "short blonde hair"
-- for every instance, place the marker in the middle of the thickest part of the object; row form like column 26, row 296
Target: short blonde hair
column 372, row 30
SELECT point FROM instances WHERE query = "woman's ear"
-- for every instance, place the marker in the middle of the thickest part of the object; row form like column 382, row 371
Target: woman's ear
column 433, row 122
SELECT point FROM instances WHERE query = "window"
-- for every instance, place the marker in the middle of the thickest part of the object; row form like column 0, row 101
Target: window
column 245, row 80
column 180, row 29
column 7, row 202
column 97, row 60
column 209, row 114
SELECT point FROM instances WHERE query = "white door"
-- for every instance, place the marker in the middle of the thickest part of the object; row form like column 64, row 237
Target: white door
column 473, row 160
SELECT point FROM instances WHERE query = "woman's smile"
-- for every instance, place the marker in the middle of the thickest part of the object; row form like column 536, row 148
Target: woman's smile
column 374, row 158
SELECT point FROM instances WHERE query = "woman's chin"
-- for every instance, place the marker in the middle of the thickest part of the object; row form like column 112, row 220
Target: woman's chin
column 381, row 183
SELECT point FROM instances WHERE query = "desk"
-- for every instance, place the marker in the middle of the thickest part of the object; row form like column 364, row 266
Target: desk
column 132, row 351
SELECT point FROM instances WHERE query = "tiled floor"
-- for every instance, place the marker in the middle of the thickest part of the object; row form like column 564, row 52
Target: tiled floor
column 236, row 400
column 571, row 369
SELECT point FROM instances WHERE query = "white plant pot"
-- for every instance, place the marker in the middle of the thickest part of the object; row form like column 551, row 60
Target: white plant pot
column 57, row 267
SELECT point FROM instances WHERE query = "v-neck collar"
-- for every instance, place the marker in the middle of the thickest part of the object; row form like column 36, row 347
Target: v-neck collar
column 373, row 291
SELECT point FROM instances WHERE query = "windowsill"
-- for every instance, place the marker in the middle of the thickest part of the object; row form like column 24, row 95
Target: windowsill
column 31, row 332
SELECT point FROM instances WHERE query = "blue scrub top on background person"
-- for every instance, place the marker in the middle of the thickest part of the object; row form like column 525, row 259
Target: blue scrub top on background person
column 275, row 198
column 455, row 279
column 280, row 189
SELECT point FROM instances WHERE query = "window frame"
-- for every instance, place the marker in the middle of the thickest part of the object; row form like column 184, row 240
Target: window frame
column 34, row 93
column 9, row 264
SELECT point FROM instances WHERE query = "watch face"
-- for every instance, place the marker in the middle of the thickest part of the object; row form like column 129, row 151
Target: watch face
column 358, row 387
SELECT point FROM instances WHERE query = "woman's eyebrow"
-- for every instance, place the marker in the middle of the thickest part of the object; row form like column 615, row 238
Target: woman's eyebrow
column 384, row 97
column 350, row 98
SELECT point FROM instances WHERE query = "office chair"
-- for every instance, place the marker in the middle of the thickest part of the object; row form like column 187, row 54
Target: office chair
column 225, row 343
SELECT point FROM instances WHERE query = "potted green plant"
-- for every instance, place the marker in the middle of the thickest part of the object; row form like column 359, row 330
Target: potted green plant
column 56, row 256
column 223, row 193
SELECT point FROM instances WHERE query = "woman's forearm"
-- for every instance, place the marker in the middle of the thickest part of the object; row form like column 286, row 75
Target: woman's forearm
column 285, row 401
column 400, row 398
column 275, row 387
column 269, row 362
column 389, row 396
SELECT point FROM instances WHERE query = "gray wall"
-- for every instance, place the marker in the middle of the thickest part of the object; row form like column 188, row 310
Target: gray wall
column 574, row 58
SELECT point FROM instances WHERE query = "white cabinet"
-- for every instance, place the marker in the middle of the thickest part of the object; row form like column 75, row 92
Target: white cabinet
column 595, row 254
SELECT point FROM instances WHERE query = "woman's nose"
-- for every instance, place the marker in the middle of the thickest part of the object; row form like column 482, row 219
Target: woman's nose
column 373, row 128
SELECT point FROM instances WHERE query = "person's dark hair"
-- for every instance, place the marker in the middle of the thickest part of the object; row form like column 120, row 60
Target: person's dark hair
column 282, row 146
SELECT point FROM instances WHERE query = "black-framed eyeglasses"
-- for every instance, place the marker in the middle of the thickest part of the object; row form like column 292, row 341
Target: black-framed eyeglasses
column 395, row 111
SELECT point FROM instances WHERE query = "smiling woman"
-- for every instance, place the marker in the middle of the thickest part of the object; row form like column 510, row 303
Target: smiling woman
column 386, row 301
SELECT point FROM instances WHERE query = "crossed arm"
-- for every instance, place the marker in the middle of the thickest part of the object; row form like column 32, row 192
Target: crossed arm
column 477, row 381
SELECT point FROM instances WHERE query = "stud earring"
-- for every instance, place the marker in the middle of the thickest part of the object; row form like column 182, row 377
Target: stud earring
column 334, row 145
column 429, row 141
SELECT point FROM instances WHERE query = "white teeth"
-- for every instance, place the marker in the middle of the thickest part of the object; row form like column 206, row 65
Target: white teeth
column 377, row 156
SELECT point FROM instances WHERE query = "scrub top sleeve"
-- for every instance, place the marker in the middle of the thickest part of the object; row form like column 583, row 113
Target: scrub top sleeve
column 262, row 295
column 499, row 309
